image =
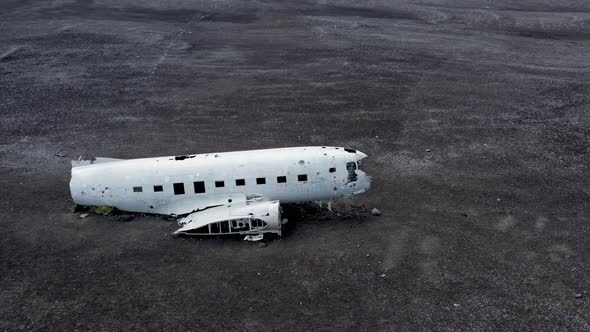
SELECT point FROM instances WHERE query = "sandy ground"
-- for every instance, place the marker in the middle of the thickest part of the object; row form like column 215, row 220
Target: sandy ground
column 474, row 115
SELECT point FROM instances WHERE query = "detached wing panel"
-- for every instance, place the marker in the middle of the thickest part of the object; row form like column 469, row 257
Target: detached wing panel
column 248, row 218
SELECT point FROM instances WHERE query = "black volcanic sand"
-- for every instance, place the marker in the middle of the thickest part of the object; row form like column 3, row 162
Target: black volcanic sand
column 475, row 115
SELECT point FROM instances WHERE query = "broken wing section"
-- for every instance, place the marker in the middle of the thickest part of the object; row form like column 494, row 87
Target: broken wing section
column 248, row 218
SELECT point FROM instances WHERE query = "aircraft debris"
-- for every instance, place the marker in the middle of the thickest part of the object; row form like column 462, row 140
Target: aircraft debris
column 222, row 193
column 84, row 215
column 254, row 238
column 375, row 212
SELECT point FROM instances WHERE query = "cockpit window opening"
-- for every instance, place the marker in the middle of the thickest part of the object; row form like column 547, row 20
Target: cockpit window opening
column 351, row 168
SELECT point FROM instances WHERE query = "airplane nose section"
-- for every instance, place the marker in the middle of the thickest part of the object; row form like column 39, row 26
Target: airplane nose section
column 360, row 155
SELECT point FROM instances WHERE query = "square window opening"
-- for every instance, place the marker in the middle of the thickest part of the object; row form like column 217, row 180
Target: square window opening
column 199, row 187
column 260, row 180
column 219, row 184
column 178, row 188
column 332, row 169
column 158, row 189
column 281, row 179
column 137, row 189
column 240, row 182
column 302, row 177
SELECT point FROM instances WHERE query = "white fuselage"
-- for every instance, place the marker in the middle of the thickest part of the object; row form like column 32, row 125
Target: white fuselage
column 178, row 185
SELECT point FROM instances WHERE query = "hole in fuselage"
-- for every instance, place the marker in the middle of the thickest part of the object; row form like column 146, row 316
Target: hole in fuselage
column 183, row 157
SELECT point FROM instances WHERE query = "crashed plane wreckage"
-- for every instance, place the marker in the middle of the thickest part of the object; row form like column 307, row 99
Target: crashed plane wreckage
column 221, row 193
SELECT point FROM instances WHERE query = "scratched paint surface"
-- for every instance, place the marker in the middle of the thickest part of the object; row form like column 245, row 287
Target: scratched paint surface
column 474, row 115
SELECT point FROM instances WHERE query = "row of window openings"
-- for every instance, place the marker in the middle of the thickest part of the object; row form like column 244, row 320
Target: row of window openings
column 199, row 186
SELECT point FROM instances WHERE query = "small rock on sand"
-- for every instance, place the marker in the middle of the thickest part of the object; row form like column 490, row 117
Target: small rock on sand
column 375, row 212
